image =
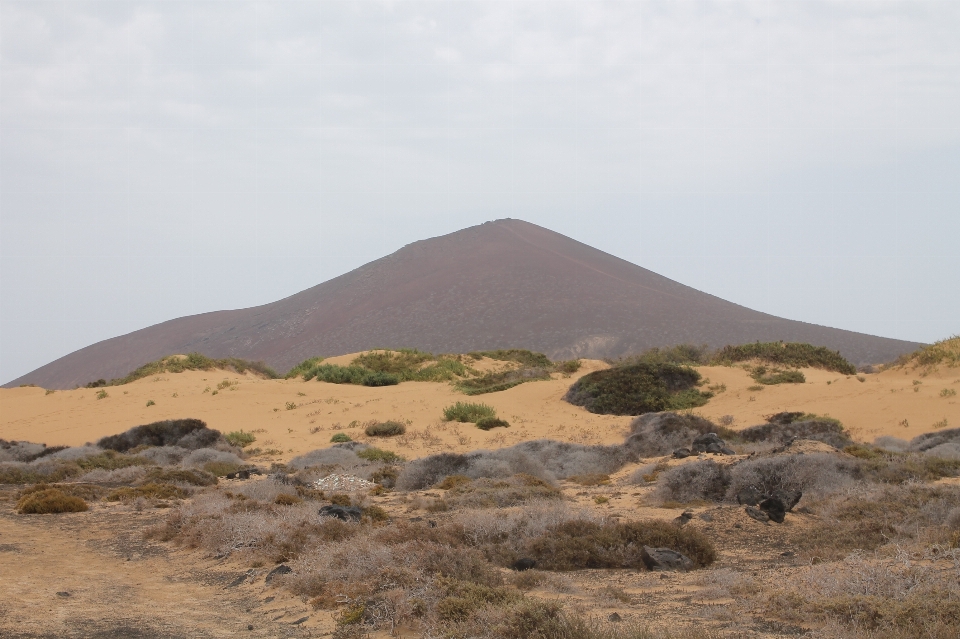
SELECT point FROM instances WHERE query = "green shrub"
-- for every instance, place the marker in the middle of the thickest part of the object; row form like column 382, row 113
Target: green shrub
column 50, row 501
column 240, row 438
column 570, row 366
column 111, row 460
column 102, row 394
column 486, row 423
column 638, row 388
column 579, row 544
column 776, row 376
column 398, row 362
column 150, row 402
column 379, row 455
column 501, row 381
column 791, row 354
column 466, row 412
column 24, row 474
column 385, row 429
column 681, row 354
column 381, row 379
column 303, row 367
column 340, row 438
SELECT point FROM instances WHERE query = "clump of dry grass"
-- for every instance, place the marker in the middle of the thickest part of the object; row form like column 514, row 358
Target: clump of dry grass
column 50, row 501
column 499, row 493
column 147, row 491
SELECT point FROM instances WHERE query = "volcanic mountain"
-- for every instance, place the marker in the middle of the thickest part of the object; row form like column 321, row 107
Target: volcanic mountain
column 502, row 284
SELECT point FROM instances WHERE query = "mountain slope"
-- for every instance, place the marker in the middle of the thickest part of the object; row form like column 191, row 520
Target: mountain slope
column 506, row 283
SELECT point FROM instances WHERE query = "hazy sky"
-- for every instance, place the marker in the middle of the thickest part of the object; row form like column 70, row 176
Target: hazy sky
column 159, row 159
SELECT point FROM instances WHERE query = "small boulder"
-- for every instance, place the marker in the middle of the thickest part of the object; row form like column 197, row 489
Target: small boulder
column 614, row 617
column 344, row 513
column 774, row 508
column 524, row 563
column 710, row 443
column 749, row 496
column 282, row 569
column 790, row 498
column 757, row 514
column 682, row 453
column 683, row 518
column 664, row 559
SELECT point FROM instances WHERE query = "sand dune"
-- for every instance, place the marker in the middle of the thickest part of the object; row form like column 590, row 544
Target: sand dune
column 888, row 403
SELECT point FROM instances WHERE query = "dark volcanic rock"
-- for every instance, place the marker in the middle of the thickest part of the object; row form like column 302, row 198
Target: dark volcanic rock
column 775, row 509
column 756, row 513
column 749, row 496
column 524, row 563
column 282, row 569
column 345, row 513
column 665, row 559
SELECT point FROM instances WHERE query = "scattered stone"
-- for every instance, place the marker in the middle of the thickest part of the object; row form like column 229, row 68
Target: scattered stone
column 774, row 508
column 757, row 514
column 268, row 599
column 683, row 518
column 282, row 569
column 614, row 617
column 706, row 517
column 344, row 483
column 249, row 626
column 682, row 453
column 665, row 559
column 416, row 519
column 431, row 523
column 525, row 563
column 788, row 553
column 63, row 593
column 236, row 582
column 343, row 513
column 299, row 621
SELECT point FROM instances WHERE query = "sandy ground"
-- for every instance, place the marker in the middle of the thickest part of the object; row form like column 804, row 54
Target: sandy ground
column 291, row 417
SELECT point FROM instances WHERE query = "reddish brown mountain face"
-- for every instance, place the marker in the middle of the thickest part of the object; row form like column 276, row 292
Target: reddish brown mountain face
column 503, row 284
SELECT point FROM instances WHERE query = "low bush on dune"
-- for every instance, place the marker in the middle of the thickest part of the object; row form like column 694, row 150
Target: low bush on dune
column 501, row 380
column 50, row 501
column 389, row 428
column 945, row 351
column 638, row 388
column 488, row 423
column 655, row 434
column 782, row 427
column 467, row 413
column 21, row 451
column 240, row 438
column 383, row 368
column 147, row 491
column 768, row 377
column 681, row 354
column 340, row 438
column 792, row 354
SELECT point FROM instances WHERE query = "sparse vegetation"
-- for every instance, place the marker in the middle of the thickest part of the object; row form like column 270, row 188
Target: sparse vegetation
column 521, row 356
column 378, row 455
column 194, row 362
column 638, row 388
column 147, row 491
column 946, row 352
column 776, row 376
column 340, row 438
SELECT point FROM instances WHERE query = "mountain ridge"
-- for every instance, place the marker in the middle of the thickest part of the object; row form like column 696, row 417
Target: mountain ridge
column 501, row 284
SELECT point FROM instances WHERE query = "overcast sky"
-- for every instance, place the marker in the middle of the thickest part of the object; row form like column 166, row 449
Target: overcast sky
column 160, row 159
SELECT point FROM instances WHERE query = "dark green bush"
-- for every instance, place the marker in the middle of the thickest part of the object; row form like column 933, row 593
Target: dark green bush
column 303, row 367
column 681, row 354
column 486, row 423
column 186, row 433
column 379, row 455
column 796, row 355
column 638, row 388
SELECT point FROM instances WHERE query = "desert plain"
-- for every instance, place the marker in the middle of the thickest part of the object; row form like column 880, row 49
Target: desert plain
column 112, row 571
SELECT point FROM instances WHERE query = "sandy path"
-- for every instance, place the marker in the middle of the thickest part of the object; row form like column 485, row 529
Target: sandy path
column 92, row 575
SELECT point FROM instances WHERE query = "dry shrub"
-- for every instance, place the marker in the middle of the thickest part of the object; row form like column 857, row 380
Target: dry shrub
column 656, row 434
column 183, row 433
column 284, row 499
column 874, row 516
column 385, row 429
column 786, row 426
column 452, row 481
column 85, row 491
column 500, row 493
column 50, row 501
column 128, row 475
column 899, row 467
column 147, row 491
column 590, row 479
column 177, row 476
column 574, row 545
column 699, row 480
column 874, row 594
column 812, row 474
